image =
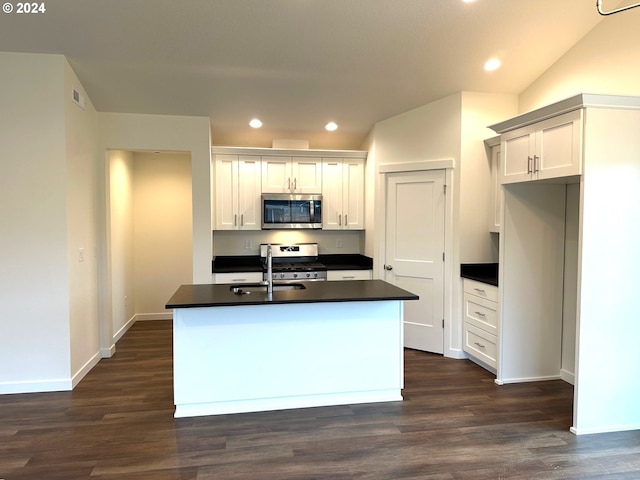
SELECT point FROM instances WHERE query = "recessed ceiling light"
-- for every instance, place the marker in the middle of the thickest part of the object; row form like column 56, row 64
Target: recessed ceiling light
column 468, row 1
column 255, row 123
column 331, row 126
column 492, row 64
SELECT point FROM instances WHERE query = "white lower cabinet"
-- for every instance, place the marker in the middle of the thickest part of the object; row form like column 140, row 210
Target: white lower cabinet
column 333, row 275
column 237, row 277
column 480, row 328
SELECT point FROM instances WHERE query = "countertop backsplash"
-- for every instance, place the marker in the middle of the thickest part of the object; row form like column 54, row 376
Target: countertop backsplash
column 248, row 242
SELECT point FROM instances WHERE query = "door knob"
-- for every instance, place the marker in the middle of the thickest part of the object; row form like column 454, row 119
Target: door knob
column 388, row 267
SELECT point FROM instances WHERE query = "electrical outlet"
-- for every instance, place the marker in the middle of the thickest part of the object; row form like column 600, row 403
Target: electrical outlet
column 339, row 243
column 81, row 254
column 247, row 245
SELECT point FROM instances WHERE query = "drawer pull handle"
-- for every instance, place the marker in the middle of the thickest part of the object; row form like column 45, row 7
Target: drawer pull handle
column 480, row 290
column 479, row 344
column 480, row 314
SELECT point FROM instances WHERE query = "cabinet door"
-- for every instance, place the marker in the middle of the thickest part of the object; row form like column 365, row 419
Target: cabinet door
column 517, row 149
column 332, row 194
column 559, row 146
column 306, row 175
column 249, row 181
column 497, row 194
column 353, row 194
column 226, row 195
column 276, row 174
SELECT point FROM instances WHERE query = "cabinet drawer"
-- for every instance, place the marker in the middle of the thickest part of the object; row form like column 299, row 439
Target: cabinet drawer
column 349, row 275
column 479, row 289
column 481, row 313
column 480, row 344
column 237, row 277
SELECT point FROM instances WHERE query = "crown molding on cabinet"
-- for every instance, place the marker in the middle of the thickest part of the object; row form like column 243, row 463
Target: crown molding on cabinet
column 281, row 152
column 567, row 105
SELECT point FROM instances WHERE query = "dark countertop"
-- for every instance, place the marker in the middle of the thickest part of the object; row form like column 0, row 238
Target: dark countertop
column 481, row 272
column 346, row 262
column 251, row 263
column 220, row 295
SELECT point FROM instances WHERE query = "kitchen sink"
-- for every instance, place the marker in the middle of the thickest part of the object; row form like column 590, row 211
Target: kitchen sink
column 246, row 288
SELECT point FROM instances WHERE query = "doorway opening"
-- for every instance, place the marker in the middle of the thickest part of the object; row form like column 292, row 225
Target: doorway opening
column 149, row 233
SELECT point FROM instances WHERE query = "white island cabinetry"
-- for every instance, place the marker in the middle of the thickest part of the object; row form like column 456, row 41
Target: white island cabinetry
column 289, row 349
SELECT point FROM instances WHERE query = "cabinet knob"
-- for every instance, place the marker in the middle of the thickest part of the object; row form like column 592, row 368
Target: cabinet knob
column 388, row 267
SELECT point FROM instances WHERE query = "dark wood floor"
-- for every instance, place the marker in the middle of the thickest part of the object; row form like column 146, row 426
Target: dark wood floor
column 454, row 423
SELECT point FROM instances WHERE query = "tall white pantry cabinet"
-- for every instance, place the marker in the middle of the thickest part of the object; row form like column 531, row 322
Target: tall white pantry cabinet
column 570, row 255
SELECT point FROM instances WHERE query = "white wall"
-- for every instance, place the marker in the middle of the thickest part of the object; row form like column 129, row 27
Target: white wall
column 478, row 111
column 120, row 232
column 82, row 243
column 162, row 229
column 605, row 61
column 47, row 213
column 33, row 277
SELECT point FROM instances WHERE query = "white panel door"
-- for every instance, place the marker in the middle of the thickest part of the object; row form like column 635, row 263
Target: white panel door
column 414, row 253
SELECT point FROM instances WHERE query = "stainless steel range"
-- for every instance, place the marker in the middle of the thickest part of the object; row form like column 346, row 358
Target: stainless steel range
column 293, row 262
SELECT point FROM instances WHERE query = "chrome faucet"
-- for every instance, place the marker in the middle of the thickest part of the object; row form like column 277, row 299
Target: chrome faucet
column 269, row 269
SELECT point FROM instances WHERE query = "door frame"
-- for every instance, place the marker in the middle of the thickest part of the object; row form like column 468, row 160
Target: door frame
column 448, row 165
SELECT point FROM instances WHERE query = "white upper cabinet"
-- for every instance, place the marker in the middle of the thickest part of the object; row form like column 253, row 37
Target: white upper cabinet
column 242, row 174
column 343, row 194
column 237, row 195
column 291, row 174
column 547, row 149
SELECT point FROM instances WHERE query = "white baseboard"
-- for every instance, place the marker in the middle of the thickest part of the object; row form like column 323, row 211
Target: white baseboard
column 154, row 316
column 118, row 335
column 455, row 353
column 37, row 386
column 86, row 368
column 108, row 352
column 605, row 429
column 61, row 385
column 505, row 381
column 568, row 377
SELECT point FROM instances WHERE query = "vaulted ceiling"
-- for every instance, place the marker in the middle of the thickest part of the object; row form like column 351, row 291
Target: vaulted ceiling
column 296, row 64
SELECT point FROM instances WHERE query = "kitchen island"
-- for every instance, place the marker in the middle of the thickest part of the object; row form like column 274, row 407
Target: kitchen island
column 329, row 343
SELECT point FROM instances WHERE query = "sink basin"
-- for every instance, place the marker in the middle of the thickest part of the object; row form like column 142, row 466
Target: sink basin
column 246, row 288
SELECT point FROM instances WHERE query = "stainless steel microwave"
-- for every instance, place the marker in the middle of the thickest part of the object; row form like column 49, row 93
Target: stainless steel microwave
column 291, row 211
